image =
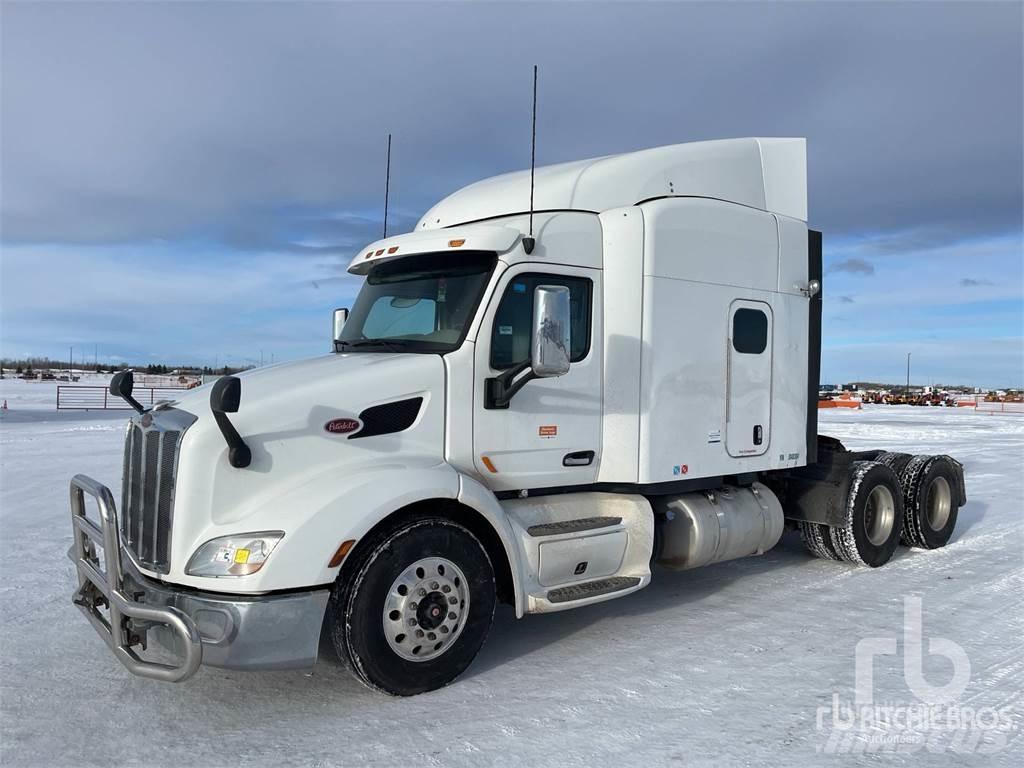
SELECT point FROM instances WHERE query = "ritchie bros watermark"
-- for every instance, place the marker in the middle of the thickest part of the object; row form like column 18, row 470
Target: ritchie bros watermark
column 934, row 718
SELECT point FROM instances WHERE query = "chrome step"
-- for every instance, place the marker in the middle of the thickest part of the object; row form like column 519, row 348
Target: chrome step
column 573, row 526
column 592, row 589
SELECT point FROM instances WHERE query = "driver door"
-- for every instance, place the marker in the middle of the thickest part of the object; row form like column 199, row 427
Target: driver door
column 551, row 431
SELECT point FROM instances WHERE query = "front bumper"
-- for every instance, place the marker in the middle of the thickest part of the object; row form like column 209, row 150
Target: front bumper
column 280, row 631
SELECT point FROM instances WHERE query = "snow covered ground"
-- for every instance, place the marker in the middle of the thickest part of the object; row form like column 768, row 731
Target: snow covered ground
column 727, row 665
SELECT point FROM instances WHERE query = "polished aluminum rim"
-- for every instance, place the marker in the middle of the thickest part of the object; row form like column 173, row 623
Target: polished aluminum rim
column 940, row 503
column 879, row 515
column 426, row 609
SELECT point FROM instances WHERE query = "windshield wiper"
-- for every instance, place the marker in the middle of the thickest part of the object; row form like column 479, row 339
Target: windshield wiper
column 390, row 343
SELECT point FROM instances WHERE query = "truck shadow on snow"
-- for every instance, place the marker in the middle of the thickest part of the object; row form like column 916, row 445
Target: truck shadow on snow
column 674, row 591
column 511, row 638
column 670, row 592
column 972, row 513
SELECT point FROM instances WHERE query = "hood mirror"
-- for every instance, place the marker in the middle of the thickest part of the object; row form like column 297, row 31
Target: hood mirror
column 122, row 385
column 225, row 397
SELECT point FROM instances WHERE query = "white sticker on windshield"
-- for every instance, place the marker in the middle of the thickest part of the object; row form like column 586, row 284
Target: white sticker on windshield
column 504, row 330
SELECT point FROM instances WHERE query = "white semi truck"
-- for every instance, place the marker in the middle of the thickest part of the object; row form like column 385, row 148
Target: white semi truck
column 532, row 405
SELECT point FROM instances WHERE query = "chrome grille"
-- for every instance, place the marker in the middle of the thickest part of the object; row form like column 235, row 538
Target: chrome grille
column 147, row 494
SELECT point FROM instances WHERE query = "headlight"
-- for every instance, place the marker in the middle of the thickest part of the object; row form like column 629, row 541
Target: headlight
column 237, row 555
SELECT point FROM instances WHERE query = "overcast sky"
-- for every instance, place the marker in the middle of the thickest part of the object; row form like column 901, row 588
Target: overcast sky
column 186, row 182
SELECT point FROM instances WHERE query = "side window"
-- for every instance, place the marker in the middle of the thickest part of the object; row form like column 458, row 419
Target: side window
column 510, row 336
column 749, row 331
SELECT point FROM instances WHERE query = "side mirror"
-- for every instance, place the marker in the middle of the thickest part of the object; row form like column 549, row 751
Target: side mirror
column 340, row 317
column 549, row 349
column 122, row 385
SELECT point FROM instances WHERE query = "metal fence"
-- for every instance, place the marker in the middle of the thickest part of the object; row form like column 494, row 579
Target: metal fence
column 1014, row 406
column 981, row 405
column 86, row 398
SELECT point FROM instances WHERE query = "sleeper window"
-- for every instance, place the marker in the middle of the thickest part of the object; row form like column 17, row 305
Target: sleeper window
column 749, row 331
column 510, row 336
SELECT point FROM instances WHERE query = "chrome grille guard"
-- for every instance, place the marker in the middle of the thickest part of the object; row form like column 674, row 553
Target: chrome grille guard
column 102, row 585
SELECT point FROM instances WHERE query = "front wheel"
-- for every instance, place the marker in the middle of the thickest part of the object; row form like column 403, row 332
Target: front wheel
column 415, row 610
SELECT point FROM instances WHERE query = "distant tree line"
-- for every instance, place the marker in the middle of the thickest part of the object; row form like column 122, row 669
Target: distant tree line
column 32, row 364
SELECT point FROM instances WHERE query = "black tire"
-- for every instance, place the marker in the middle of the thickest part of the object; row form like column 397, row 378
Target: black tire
column 874, row 516
column 817, row 540
column 897, row 462
column 358, row 605
column 931, row 501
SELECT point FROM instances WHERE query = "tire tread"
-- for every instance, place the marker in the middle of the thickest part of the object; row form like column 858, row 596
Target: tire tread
column 844, row 538
column 343, row 601
column 817, row 541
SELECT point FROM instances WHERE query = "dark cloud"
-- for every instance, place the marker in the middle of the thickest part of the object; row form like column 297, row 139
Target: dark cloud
column 257, row 125
column 854, row 266
column 925, row 238
column 308, row 234
column 971, row 282
column 845, row 299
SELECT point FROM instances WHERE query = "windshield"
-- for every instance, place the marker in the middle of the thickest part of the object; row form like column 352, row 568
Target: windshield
column 418, row 304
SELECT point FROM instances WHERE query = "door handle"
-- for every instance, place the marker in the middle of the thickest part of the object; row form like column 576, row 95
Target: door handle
column 578, row 459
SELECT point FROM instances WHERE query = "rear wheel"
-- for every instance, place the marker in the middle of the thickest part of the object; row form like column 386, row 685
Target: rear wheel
column 817, row 540
column 874, row 516
column 931, row 501
column 897, row 462
column 415, row 610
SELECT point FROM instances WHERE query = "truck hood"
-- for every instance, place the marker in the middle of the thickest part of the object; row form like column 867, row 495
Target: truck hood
column 333, row 376
column 283, row 418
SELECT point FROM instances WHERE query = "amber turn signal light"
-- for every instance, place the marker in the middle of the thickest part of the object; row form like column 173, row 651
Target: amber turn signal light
column 340, row 554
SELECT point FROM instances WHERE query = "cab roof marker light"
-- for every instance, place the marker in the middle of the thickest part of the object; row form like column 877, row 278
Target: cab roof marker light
column 379, row 252
column 393, row 249
column 456, row 243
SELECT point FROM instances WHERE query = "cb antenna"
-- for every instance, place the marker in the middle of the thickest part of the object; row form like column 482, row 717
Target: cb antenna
column 387, row 186
column 528, row 242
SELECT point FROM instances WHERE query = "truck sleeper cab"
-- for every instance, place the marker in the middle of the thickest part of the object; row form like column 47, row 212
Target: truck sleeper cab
column 537, row 425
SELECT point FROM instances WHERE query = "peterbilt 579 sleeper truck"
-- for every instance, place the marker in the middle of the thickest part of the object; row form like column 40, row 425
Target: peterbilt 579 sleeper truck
column 527, row 405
